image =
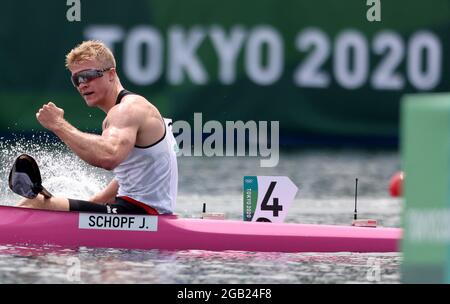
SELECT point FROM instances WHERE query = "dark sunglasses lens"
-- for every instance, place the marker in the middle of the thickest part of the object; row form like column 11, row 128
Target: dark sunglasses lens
column 85, row 76
column 75, row 81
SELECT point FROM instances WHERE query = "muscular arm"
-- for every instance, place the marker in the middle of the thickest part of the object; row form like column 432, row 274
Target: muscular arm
column 105, row 151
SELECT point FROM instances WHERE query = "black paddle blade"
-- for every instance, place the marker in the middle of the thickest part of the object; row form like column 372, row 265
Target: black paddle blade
column 25, row 178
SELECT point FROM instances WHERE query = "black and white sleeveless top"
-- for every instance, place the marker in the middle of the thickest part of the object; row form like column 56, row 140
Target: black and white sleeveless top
column 150, row 174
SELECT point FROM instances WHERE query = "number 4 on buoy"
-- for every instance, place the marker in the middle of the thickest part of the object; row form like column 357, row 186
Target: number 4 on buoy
column 268, row 198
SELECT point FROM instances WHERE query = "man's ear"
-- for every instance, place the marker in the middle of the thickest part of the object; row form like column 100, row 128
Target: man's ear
column 113, row 74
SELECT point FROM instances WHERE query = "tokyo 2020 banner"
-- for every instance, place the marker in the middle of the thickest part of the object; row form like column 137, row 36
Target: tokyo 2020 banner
column 321, row 68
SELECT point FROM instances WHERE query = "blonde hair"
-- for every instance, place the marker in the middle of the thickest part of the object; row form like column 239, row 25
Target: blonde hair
column 91, row 50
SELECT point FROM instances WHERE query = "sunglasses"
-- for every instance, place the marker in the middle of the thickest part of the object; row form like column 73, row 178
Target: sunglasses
column 87, row 75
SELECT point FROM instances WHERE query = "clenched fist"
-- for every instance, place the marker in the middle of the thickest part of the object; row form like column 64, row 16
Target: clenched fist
column 50, row 116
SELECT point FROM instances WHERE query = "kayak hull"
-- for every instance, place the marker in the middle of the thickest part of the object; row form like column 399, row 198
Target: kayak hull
column 39, row 227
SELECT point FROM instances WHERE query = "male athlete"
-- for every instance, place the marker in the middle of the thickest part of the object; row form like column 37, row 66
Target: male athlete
column 137, row 144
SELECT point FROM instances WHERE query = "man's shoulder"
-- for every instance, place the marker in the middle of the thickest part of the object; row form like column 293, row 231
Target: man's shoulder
column 134, row 99
column 133, row 105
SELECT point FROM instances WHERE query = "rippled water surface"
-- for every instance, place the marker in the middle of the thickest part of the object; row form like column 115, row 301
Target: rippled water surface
column 326, row 187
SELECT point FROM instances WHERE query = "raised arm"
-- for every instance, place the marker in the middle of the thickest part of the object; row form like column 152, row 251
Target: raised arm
column 105, row 151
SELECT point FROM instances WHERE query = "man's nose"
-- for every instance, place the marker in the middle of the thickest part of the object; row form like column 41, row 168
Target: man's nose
column 82, row 86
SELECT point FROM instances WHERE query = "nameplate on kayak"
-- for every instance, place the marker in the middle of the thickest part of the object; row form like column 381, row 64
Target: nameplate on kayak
column 118, row 222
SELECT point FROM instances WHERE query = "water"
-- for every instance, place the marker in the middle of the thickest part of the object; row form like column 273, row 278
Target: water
column 326, row 182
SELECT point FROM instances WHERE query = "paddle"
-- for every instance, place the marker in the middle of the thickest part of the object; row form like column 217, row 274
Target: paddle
column 25, row 178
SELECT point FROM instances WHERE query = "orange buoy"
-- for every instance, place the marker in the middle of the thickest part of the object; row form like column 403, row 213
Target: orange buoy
column 396, row 184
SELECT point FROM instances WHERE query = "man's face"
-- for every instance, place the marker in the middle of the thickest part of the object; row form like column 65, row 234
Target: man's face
column 95, row 90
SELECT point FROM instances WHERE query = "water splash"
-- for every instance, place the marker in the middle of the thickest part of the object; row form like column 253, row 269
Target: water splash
column 63, row 173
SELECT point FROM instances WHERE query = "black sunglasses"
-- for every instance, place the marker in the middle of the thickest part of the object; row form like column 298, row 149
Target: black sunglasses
column 87, row 75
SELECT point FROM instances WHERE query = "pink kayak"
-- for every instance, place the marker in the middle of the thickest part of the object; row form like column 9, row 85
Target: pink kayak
column 73, row 229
